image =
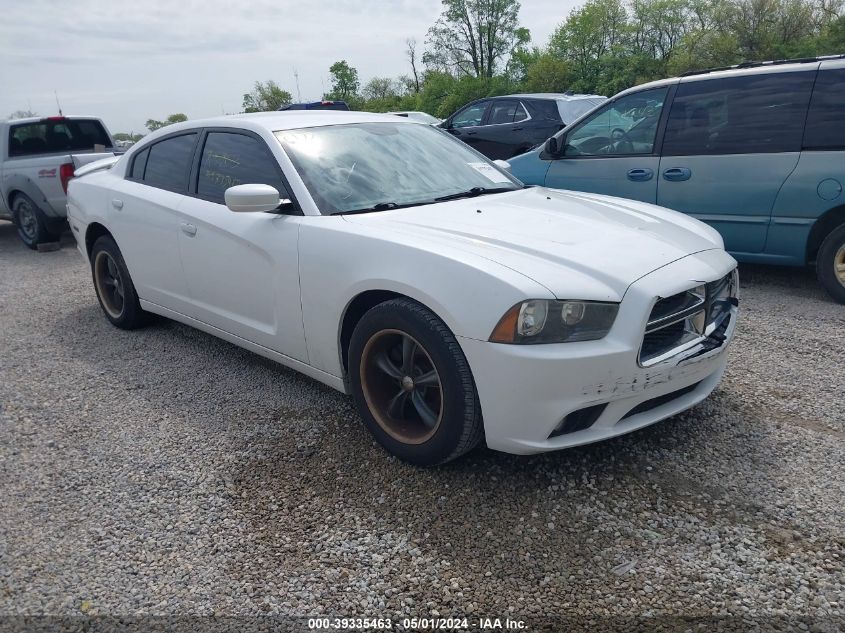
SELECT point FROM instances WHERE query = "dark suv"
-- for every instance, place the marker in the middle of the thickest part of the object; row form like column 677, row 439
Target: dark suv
column 317, row 105
column 501, row 127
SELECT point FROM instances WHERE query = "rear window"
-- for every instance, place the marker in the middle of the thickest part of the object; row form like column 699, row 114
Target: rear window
column 55, row 136
column 827, row 108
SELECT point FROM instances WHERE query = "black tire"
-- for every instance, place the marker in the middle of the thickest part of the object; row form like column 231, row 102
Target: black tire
column 382, row 333
column 830, row 264
column 34, row 227
column 114, row 287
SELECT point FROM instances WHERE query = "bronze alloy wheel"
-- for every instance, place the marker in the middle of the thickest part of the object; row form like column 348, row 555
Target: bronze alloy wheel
column 839, row 264
column 401, row 386
column 109, row 282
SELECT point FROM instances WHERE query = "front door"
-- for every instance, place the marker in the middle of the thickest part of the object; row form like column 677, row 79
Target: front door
column 466, row 124
column 729, row 146
column 613, row 151
column 242, row 268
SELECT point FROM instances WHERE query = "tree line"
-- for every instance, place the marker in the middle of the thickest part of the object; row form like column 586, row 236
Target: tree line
column 479, row 48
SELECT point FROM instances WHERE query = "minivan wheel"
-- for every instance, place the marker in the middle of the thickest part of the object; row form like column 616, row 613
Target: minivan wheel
column 412, row 384
column 33, row 226
column 830, row 264
column 114, row 287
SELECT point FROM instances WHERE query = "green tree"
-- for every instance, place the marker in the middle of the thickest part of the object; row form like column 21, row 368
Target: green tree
column 380, row 88
column 266, row 97
column 344, row 81
column 548, row 74
column 152, row 125
column 474, row 37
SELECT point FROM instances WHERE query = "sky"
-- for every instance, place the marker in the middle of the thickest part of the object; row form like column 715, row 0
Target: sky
column 127, row 62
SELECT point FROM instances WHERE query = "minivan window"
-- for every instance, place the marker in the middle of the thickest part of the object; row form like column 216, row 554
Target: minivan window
column 825, row 129
column 230, row 159
column 752, row 114
column 52, row 136
column 626, row 126
column 169, row 163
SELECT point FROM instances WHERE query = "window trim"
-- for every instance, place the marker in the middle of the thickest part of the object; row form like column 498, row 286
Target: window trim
column 657, row 147
column 195, row 167
column 149, row 146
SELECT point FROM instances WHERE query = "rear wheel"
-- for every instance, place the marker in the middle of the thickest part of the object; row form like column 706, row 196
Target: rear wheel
column 34, row 227
column 830, row 264
column 412, row 384
column 114, row 287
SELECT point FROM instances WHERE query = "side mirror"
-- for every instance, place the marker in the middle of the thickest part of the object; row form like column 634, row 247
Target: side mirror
column 503, row 164
column 551, row 146
column 252, row 198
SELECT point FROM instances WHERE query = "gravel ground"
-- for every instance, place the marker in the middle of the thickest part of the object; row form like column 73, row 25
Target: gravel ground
column 164, row 471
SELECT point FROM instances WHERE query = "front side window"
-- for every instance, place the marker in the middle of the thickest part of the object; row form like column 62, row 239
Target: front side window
column 825, row 129
column 751, row 114
column 361, row 165
column 169, row 163
column 230, row 159
column 470, row 117
column 624, row 127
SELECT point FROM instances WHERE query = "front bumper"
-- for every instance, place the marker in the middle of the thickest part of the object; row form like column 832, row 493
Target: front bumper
column 526, row 391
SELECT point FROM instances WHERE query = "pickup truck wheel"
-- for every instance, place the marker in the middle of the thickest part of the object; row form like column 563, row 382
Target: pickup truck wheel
column 412, row 384
column 830, row 264
column 33, row 226
column 114, row 287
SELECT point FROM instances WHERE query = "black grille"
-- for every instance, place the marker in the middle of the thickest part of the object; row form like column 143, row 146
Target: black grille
column 579, row 420
column 648, row 405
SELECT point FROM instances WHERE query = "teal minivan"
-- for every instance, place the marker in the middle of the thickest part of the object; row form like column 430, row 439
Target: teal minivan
column 757, row 151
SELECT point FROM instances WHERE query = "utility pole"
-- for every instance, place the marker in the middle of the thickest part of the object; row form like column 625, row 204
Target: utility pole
column 296, row 77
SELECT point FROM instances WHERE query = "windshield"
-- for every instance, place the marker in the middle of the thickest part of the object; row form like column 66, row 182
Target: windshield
column 359, row 166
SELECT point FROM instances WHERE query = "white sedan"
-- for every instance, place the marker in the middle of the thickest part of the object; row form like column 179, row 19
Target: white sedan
column 390, row 261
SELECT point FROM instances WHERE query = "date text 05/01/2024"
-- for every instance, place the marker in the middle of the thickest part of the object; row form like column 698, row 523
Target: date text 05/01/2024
column 416, row 624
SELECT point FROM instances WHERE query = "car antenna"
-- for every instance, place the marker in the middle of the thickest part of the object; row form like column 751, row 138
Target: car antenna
column 57, row 103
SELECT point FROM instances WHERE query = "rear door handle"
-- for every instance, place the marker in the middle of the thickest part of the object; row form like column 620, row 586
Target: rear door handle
column 471, row 133
column 189, row 229
column 640, row 175
column 117, row 204
column 677, row 174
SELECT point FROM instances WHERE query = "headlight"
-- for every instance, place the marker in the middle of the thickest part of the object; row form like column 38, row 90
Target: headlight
column 545, row 321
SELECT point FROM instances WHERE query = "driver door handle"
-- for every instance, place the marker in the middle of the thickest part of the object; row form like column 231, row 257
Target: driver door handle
column 640, row 175
column 188, row 229
column 676, row 174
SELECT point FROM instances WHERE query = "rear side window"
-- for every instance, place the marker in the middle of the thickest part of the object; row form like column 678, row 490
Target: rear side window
column 235, row 159
column 754, row 114
column 169, row 163
column 544, row 109
column 503, row 111
column 139, row 164
column 52, row 136
column 825, row 129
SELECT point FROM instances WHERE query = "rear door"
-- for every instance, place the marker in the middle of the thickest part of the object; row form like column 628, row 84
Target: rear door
column 465, row 124
column 506, row 131
column 613, row 151
column 730, row 144
column 242, row 268
column 144, row 218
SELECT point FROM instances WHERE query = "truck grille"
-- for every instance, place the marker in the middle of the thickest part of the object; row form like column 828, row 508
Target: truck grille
column 680, row 321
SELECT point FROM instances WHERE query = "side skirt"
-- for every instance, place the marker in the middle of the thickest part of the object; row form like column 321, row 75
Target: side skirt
column 327, row 379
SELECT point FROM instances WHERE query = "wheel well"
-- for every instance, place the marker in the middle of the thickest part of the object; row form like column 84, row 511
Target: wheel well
column 95, row 230
column 354, row 311
column 11, row 197
column 821, row 228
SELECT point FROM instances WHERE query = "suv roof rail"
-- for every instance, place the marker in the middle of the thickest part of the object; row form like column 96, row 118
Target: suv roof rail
column 774, row 62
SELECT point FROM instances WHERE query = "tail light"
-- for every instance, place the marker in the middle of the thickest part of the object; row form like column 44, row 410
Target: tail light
column 65, row 174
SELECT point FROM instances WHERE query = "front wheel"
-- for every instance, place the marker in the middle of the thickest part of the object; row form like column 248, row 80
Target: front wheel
column 830, row 264
column 412, row 384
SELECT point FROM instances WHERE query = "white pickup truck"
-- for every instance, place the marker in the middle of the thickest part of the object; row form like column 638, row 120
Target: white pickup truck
column 38, row 157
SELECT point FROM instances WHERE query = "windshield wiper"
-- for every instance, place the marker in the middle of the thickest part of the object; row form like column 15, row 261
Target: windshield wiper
column 475, row 191
column 382, row 206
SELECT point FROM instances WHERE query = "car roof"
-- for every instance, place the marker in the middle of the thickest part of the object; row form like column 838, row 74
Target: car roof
column 56, row 118
column 285, row 120
column 558, row 96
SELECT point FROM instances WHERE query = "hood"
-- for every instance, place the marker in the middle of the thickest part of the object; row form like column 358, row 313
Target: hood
column 578, row 245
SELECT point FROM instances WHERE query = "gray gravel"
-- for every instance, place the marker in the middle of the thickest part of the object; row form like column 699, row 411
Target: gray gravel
column 167, row 472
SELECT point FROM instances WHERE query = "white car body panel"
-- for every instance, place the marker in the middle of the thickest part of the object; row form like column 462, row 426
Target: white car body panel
column 280, row 285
